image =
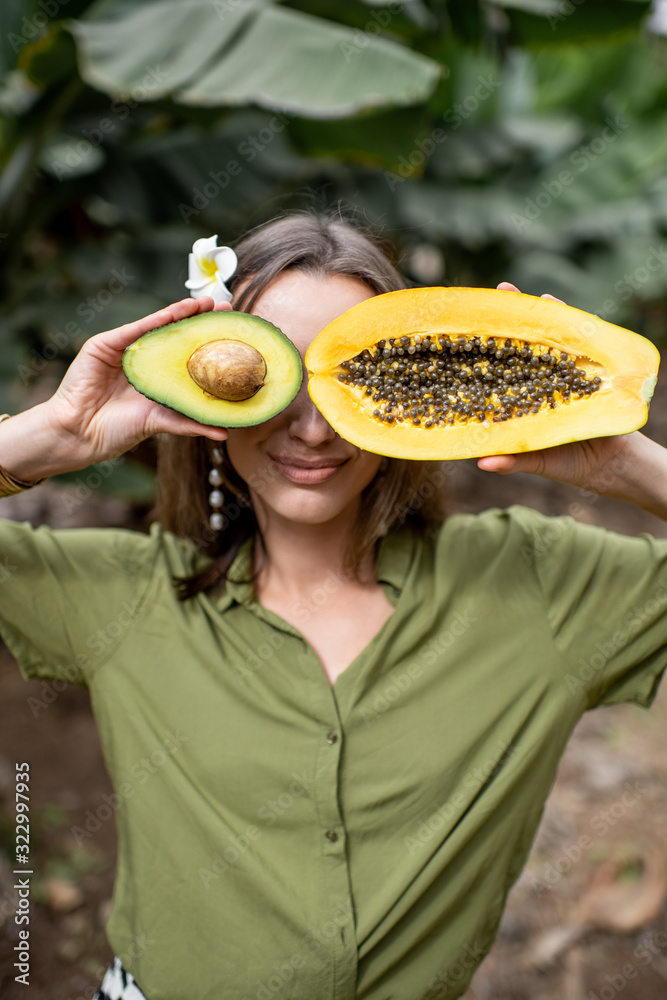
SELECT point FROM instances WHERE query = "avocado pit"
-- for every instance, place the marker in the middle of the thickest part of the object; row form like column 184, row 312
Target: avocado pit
column 227, row 369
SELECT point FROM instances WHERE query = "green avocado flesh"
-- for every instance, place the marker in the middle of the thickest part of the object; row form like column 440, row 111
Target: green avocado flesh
column 157, row 366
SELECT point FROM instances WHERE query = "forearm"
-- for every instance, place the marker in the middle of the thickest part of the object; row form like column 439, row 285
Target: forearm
column 637, row 474
column 32, row 447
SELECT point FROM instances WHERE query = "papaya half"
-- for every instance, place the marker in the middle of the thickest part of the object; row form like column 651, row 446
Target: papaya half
column 448, row 373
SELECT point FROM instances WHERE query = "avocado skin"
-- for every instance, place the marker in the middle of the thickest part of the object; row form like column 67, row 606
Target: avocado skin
column 163, row 377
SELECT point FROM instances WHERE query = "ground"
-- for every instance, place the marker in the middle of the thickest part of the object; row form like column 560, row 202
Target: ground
column 586, row 921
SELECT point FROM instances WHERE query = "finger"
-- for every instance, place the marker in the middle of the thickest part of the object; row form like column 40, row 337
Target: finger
column 529, row 461
column 507, row 286
column 502, row 464
column 219, row 306
column 123, row 336
column 552, row 298
column 169, row 422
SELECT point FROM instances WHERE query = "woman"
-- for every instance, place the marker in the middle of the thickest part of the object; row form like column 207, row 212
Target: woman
column 332, row 724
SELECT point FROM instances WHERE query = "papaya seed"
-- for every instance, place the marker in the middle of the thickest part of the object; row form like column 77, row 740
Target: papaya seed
column 520, row 377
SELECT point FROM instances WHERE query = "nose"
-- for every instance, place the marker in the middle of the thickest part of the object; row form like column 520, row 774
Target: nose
column 306, row 423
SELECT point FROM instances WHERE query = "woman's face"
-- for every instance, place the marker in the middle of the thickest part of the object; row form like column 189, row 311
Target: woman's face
column 295, row 464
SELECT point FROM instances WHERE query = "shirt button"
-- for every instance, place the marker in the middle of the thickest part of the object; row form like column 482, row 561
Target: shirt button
column 332, row 836
column 332, row 737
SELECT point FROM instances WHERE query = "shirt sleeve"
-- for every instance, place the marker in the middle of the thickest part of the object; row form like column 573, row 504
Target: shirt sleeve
column 69, row 597
column 606, row 600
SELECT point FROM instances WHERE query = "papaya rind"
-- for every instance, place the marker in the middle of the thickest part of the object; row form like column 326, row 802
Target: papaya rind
column 146, row 368
column 618, row 407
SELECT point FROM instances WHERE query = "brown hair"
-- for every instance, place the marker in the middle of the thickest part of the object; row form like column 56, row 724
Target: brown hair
column 402, row 491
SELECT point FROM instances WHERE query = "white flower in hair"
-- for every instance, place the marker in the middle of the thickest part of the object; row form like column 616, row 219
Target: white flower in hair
column 210, row 266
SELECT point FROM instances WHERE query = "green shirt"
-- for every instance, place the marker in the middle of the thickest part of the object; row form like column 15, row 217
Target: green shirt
column 280, row 838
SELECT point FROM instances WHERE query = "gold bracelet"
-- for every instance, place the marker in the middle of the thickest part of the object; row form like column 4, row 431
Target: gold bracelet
column 10, row 484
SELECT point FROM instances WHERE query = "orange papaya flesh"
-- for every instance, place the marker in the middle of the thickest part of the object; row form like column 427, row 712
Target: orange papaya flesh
column 448, row 373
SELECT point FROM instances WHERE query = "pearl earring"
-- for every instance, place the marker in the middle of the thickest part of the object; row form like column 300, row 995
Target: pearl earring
column 216, row 497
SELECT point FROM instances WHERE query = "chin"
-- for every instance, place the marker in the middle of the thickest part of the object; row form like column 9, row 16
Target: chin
column 303, row 507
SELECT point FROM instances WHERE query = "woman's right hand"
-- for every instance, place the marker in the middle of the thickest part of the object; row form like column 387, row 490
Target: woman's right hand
column 95, row 413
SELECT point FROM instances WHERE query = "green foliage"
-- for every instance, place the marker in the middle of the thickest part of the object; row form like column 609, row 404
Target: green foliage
column 227, row 53
column 506, row 139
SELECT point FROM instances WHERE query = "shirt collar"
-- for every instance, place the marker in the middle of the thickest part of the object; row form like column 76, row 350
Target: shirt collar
column 394, row 557
column 236, row 591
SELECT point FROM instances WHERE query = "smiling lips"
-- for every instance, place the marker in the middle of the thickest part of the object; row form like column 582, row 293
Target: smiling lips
column 307, row 471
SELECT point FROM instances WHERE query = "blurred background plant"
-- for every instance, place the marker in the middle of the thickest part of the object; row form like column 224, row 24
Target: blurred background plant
column 507, row 139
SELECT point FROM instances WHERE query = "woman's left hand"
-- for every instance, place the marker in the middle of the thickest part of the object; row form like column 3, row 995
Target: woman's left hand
column 624, row 466
column 598, row 464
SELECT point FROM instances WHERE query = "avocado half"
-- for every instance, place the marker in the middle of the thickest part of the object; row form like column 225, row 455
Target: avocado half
column 157, row 366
